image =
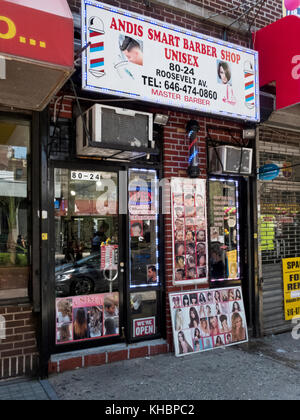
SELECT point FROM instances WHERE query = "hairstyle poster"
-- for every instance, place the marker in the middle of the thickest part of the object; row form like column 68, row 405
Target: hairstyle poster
column 206, row 319
column 189, row 221
column 89, row 317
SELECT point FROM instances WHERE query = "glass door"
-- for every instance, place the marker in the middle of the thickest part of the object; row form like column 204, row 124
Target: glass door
column 145, row 285
column 88, row 277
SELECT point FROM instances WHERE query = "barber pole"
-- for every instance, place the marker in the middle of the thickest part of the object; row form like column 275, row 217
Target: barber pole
column 192, row 129
column 249, row 85
column 96, row 50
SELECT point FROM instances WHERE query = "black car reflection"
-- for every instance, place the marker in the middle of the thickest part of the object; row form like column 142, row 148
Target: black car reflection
column 80, row 278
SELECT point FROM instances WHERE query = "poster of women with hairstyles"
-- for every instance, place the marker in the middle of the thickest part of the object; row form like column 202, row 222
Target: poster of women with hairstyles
column 90, row 317
column 204, row 320
column 189, row 221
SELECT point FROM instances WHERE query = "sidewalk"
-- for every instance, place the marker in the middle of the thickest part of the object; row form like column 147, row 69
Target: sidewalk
column 264, row 369
column 23, row 389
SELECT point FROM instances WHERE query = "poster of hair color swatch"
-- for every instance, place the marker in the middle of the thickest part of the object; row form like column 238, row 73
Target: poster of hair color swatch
column 207, row 319
column 189, row 227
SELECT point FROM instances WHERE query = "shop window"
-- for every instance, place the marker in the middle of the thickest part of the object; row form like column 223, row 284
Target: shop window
column 144, row 253
column 14, row 209
column 224, row 230
column 143, row 218
column 86, row 255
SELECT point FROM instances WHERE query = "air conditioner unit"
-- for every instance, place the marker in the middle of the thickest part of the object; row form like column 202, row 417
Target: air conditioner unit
column 230, row 159
column 110, row 132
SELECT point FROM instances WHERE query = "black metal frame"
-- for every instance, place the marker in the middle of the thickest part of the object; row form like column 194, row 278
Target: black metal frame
column 248, row 245
column 246, row 248
column 29, row 118
column 89, row 343
column 48, row 281
column 161, row 287
column 119, row 149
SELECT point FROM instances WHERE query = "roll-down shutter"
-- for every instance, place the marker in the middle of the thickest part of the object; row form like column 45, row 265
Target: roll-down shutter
column 279, row 220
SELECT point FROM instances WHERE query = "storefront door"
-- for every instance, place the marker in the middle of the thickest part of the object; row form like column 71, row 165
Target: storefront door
column 89, row 266
column 105, row 256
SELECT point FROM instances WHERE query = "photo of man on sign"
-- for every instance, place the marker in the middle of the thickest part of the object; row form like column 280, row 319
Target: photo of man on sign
column 132, row 50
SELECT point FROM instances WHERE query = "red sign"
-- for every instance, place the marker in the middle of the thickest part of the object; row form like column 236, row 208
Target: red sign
column 143, row 327
column 279, row 59
column 109, row 257
column 37, row 32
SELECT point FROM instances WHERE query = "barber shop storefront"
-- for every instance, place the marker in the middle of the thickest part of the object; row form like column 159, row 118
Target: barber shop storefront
column 138, row 181
column 149, row 196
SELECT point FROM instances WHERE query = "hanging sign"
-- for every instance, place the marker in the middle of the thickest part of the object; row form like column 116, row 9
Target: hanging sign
column 207, row 319
column 291, row 283
column 269, row 172
column 137, row 57
column 109, row 257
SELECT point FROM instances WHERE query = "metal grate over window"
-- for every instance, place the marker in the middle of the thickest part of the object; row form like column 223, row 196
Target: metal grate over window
column 279, row 219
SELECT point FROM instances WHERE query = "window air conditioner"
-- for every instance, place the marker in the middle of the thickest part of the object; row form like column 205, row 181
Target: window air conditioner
column 229, row 159
column 115, row 133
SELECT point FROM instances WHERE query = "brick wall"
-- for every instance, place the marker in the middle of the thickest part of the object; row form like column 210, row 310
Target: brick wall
column 262, row 15
column 175, row 164
column 18, row 350
column 61, row 106
column 169, row 11
column 102, row 356
column 169, row 15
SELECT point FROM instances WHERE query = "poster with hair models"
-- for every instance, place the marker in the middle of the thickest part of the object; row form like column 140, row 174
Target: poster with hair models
column 189, row 227
column 90, row 317
column 204, row 320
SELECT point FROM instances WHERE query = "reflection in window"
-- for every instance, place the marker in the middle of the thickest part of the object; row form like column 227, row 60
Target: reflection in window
column 143, row 219
column 14, row 240
column 224, row 230
column 85, row 206
column 86, row 254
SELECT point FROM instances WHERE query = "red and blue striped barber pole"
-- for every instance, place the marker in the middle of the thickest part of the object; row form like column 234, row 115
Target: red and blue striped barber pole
column 96, row 39
column 249, row 85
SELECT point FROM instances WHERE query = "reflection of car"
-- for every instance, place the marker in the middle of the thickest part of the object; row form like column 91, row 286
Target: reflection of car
column 82, row 277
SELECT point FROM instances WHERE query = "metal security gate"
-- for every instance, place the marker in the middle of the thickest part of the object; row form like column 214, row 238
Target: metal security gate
column 279, row 220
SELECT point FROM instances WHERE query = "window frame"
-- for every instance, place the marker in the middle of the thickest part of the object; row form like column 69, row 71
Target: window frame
column 25, row 118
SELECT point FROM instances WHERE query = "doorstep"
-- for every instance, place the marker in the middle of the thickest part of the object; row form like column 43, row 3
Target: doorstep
column 103, row 355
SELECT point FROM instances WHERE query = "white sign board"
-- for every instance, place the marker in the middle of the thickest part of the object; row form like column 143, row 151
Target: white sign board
column 137, row 57
column 203, row 320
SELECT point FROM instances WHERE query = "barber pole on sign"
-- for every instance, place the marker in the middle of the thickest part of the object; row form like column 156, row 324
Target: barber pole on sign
column 96, row 53
column 249, row 85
